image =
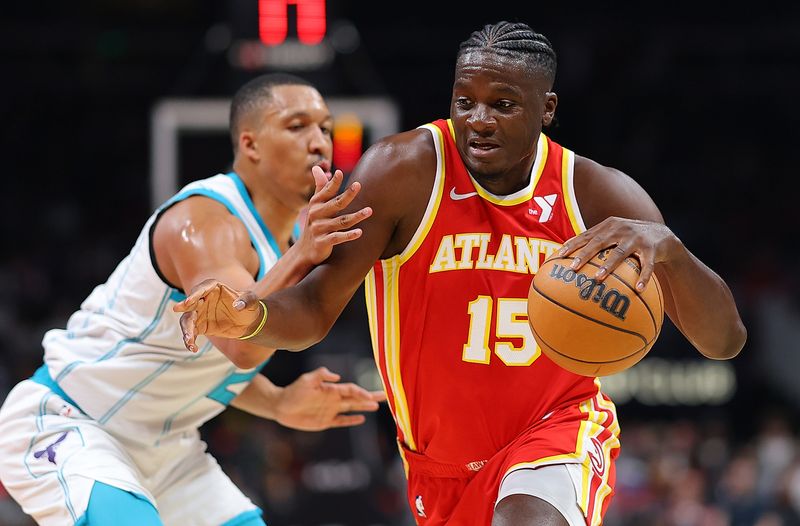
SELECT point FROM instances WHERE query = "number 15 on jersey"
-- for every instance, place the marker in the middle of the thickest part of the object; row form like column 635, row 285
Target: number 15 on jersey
column 514, row 343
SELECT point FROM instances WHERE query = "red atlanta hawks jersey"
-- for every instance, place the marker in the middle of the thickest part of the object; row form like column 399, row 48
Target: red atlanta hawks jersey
column 448, row 316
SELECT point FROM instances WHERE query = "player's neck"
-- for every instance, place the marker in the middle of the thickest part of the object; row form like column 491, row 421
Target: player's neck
column 277, row 215
column 278, row 218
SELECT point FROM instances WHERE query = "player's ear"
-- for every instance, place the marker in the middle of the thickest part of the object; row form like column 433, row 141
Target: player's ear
column 550, row 103
column 248, row 145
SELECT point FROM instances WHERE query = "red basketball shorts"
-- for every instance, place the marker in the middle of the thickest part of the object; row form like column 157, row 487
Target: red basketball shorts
column 584, row 435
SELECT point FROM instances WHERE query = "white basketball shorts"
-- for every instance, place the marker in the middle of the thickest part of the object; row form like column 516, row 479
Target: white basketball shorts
column 51, row 454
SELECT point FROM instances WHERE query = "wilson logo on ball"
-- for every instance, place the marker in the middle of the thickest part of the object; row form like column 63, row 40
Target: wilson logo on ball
column 611, row 300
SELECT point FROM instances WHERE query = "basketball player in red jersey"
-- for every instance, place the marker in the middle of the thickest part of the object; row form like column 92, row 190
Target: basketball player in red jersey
column 465, row 210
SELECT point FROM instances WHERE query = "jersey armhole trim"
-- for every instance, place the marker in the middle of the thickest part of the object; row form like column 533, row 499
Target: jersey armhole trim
column 152, row 250
column 568, row 188
column 248, row 201
column 434, row 200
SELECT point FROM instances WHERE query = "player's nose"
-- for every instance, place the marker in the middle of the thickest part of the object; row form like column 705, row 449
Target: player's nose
column 481, row 119
column 320, row 142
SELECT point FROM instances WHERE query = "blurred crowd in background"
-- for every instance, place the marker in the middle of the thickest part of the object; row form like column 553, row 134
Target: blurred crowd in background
column 698, row 105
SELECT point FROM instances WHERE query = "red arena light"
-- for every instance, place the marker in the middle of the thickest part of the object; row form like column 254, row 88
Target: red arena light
column 348, row 135
column 273, row 21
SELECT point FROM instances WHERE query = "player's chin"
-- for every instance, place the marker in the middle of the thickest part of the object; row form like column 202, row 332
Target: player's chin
column 484, row 170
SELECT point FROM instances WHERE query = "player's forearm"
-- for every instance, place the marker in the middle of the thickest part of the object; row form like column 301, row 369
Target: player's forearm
column 288, row 271
column 704, row 306
column 242, row 354
column 294, row 321
column 300, row 316
column 260, row 398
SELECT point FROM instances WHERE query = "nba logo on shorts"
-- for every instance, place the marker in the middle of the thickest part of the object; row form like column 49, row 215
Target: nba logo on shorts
column 420, row 507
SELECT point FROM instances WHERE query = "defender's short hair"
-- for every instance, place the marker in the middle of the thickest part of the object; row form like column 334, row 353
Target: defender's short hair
column 253, row 95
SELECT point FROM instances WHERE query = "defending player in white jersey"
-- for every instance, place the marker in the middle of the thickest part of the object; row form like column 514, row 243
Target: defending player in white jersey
column 106, row 431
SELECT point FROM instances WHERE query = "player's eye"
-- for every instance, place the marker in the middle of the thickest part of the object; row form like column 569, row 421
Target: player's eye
column 463, row 102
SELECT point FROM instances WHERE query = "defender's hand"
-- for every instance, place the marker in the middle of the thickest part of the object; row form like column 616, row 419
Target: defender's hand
column 324, row 227
column 315, row 402
column 649, row 242
column 212, row 309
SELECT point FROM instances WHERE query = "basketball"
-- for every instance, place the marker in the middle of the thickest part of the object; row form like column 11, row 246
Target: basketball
column 589, row 327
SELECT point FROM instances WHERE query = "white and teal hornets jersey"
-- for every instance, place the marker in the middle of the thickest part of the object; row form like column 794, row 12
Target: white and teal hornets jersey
column 121, row 358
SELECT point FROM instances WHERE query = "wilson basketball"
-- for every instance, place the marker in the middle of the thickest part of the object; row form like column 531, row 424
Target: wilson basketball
column 589, row 327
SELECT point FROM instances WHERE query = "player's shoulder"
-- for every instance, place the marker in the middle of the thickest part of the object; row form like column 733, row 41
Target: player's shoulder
column 407, row 152
column 592, row 172
column 200, row 215
column 594, row 178
column 604, row 191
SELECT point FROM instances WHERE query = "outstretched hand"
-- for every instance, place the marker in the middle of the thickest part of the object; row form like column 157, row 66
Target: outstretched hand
column 325, row 227
column 315, row 402
column 215, row 309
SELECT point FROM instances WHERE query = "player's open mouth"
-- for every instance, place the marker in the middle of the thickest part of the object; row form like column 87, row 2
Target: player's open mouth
column 482, row 148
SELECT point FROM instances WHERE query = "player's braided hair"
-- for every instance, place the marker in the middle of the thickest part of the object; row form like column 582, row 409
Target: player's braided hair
column 514, row 40
column 253, row 95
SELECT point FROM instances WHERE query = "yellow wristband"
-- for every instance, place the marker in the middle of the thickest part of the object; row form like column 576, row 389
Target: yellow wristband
column 260, row 325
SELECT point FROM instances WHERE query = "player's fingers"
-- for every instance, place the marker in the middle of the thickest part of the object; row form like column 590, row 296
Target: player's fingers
column 322, row 227
column 360, row 405
column 348, row 420
column 648, row 267
column 353, row 392
column 613, row 258
column 329, row 191
column 341, row 201
column 322, row 375
column 247, row 300
column 572, row 245
column 200, row 291
column 337, row 238
column 348, row 220
column 189, row 302
column 378, row 396
column 187, row 328
column 320, row 179
column 331, row 207
column 588, row 251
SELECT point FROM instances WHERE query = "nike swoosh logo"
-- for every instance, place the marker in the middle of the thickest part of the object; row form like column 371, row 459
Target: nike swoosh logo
column 458, row 197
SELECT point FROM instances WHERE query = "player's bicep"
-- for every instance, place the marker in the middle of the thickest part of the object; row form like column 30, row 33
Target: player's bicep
column 196, row 241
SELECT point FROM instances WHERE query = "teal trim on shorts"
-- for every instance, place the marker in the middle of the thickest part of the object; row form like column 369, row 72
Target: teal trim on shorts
column 113, row 506
column 248, row 518
column 42, row 376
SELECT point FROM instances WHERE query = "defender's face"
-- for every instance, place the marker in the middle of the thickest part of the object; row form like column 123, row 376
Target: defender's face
column 497, row 111
column 294, row 135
